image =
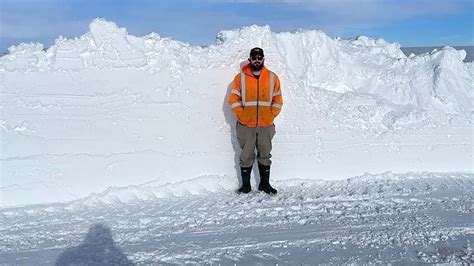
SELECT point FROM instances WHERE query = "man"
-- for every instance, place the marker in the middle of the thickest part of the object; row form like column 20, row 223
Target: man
column 256, row 100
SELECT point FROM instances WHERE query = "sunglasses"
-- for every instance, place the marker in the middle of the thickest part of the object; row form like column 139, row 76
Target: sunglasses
column 257, row 57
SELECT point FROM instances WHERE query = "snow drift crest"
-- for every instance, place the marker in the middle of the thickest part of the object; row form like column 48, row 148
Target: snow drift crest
column 309, row 60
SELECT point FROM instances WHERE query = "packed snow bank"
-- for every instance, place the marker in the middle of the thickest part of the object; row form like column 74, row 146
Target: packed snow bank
column 111, row 109
column 357, row 188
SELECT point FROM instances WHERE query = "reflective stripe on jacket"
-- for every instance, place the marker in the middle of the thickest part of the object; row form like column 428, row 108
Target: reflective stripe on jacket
column 251, row 109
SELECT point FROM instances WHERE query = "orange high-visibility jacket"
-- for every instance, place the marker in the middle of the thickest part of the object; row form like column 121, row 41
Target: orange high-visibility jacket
column 256, row 102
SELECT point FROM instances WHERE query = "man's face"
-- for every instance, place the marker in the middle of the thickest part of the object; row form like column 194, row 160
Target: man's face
column 257, row 62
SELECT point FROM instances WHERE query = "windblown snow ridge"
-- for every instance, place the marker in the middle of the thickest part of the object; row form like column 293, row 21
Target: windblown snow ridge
column 367, row 185
column 308, row 60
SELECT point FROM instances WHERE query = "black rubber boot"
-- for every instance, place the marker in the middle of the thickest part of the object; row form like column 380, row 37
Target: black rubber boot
column 264, row 185
column 245, row 172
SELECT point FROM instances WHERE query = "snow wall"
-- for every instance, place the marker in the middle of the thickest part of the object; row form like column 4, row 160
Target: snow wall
column 109, row 109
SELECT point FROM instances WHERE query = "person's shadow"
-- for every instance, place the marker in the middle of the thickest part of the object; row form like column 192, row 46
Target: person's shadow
column 98, row 248
column 232, row 121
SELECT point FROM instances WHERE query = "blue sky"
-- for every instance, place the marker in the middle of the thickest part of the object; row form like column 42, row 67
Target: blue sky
column 411, row 23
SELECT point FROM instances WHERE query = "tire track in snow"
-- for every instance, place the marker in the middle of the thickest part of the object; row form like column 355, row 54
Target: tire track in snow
column 378, row 219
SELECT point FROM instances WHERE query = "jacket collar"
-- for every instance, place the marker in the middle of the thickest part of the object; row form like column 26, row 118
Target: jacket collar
column 248, row 72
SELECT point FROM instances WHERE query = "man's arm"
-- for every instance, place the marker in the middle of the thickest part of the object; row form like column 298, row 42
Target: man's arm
column 235, row 99
column 277, row 101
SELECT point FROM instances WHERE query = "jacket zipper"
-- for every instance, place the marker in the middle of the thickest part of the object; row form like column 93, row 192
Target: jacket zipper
column 258, row 94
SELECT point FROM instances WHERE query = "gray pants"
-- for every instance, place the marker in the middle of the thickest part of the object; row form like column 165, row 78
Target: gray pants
column 255, row 137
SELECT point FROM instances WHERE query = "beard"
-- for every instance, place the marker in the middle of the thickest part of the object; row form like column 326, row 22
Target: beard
column 256, row 66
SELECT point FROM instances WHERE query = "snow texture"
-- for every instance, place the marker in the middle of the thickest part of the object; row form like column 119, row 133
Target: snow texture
column 109, row 109
column 123, row 150
column 405, row 219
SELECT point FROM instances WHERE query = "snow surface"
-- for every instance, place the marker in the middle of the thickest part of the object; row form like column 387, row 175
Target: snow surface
column 123, row 150
column 109, row 109
column 428, row 49
column 402, row 219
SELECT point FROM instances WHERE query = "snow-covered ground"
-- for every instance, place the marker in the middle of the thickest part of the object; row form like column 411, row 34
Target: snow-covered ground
column 386, row 218
column 125, row 145
column 112, row 109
